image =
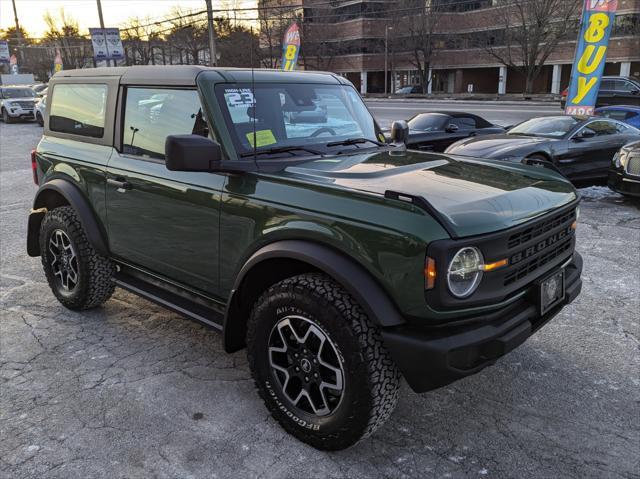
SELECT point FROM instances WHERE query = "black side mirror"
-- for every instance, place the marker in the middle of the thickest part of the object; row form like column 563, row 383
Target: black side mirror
column 197, row 153
column 399, row 131
column 451, row 128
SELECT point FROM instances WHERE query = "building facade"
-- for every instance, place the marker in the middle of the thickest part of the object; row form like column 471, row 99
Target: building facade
column 353, row 36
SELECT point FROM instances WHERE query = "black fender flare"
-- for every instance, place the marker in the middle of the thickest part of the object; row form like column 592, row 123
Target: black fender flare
column 352, row 276
column 77, row 200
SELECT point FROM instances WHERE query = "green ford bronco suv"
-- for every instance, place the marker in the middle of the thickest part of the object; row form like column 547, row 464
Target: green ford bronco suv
column 267, row 205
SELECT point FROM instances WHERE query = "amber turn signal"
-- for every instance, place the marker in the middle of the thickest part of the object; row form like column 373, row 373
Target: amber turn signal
column 495, row 265
column 429, row 273
column 574, row 225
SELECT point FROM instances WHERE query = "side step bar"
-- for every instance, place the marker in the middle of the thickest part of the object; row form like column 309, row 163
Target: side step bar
column 176, row 303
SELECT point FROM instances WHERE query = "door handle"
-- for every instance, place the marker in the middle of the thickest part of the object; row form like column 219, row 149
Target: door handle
column 120, row 183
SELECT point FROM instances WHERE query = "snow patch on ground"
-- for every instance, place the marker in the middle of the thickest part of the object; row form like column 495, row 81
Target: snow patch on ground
column 597, row 192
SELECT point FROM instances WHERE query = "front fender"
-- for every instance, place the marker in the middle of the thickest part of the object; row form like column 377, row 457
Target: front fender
column 353, row 277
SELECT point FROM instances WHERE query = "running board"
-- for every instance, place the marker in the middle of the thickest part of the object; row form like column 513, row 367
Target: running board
column 172, row 301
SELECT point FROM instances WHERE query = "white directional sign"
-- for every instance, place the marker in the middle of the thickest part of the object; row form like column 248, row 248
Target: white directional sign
column 106, row 43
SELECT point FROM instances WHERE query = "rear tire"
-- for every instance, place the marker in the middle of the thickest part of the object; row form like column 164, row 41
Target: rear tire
column 39, row 119
column 78, row 276
column 308, row 326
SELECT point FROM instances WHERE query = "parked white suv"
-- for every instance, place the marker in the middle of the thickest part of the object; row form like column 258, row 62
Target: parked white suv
column 17, row 102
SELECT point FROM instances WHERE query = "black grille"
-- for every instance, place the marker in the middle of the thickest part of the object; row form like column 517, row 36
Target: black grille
column 25, row 104
column 540, row 228
column 532, row 250
column 633, row 165
column 522, row 271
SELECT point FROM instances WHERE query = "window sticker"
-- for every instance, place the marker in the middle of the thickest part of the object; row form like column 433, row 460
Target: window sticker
column 263, row 138
column 239, row 97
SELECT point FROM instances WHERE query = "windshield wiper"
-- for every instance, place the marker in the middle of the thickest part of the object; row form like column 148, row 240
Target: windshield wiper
column 281, row 149
column 355, row 141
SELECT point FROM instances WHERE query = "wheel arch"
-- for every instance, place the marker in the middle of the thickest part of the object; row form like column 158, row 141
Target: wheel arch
column 56, row 193
column 286, row 258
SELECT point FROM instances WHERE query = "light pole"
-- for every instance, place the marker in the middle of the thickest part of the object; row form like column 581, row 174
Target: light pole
column 106, row 44
column 18, row 31
column 212, row 35
column 386, row 56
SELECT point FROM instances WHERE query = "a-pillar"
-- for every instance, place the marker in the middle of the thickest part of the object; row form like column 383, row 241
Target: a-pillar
column 363, row 82
column 625, row 69
column 502, row 81
column 556, row 76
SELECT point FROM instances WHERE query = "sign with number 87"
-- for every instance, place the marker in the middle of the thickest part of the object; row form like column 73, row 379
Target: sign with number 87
column 290, row 48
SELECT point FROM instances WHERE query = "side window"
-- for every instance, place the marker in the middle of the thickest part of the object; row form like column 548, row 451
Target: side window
column 78, row 109
column 606, row 85
column 624, row 86
column 615, row 114
column 464, row 123
column 602, row 128
column 620, row 128
column 151, row 114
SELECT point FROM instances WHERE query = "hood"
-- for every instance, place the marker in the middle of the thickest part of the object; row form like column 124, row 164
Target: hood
column 474, row 196
column 493, row 146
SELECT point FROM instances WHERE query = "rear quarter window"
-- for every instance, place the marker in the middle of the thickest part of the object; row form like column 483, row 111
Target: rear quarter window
column 78, row 109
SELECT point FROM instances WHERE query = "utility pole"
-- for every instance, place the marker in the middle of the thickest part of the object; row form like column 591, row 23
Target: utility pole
column 105, row 36
column 212, row 35
column 18, row 31
column 15, row 17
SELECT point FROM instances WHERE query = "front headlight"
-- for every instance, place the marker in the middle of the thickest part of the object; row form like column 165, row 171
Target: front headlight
column 465, row 272
column 623, row 157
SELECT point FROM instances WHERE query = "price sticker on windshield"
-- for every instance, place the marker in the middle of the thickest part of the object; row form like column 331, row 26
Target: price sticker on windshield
column 239, row 97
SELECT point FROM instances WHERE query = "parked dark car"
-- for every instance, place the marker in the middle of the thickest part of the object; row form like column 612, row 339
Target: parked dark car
column 581, row 148
column 437, row 130
column 625, row 113
column 409, row 90
column 614, row 90
column 624, row 174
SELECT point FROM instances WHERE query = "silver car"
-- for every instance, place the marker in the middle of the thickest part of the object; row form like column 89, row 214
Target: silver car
column 17, row 103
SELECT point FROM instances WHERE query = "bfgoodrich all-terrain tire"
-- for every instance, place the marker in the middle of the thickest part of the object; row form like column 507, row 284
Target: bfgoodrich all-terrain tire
column 319, row 363
column 78, row 276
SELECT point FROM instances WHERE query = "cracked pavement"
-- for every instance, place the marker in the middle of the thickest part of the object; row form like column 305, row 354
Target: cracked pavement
column 132, row 390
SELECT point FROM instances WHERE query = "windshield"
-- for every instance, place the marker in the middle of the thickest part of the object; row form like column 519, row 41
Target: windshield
column 427, row 122
column 554, row 127
column 17, row 93
column 294, row 115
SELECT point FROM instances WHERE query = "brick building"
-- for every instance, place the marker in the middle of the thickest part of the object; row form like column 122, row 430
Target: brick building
column 357, row 31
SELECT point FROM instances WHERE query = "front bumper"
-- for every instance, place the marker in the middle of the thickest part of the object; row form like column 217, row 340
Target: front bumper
column 23, row 113
column 434, row 357
column 624, row 184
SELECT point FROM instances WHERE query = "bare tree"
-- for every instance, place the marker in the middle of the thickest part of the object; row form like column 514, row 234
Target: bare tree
column 63, row 32
column 414, row 29
column 188, row 35
column 318, row 50
column 236, row 44
column 273, row 19
column 140, row 37
column 530, row 30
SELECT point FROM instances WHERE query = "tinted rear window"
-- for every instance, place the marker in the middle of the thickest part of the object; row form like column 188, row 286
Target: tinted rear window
column 78, row 109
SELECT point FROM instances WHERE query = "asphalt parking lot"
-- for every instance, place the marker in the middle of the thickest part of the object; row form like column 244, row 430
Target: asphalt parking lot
column 131, row 390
